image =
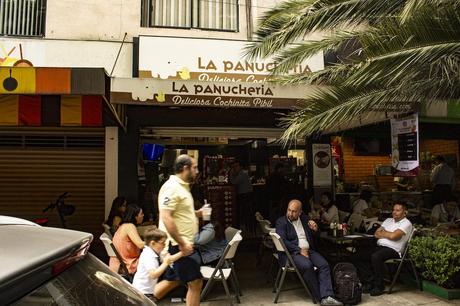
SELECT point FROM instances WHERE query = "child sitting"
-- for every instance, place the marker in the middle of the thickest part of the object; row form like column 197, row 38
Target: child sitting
column 150, row 270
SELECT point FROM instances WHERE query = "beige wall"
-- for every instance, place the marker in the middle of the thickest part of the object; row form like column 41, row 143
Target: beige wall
column 111, row 167
column 110, row 19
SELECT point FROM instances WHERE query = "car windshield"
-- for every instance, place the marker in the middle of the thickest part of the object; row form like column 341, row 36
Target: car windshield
column 88, row 282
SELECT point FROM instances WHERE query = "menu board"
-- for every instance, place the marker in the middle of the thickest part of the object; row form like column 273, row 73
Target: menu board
column 405, row 146
column 223, row 203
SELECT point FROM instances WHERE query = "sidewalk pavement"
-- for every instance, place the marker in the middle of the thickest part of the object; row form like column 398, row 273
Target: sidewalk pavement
column 256, row 285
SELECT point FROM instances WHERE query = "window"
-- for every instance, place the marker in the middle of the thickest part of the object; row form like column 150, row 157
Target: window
column 22, row 17
column 203, row 14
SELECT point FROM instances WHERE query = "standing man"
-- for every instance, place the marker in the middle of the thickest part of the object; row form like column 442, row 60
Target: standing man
column 178, row 219
column 244, row 200
column 297, row 232
column 443, row 180
column 392, row 238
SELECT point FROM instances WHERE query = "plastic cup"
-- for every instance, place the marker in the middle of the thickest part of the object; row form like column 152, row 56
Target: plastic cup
column 207, row 210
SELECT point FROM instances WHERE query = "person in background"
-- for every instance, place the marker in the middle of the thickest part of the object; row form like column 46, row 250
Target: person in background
column 151, row 269
column 240, row 179
column 362, row 203
column 116, row 214
column 127, row 240
column 392, row 238
column 210, row 242
column 178, row 218
column 276, row 188
column 443, row 180
column 329, row 212
column 446, row 212
column 299, row 235
column 315, row 210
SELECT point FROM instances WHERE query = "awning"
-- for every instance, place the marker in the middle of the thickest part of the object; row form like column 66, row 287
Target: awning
column 45, row 96
column 52, row 81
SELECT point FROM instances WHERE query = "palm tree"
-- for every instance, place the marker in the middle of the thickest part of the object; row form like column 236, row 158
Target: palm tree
column 404, row 54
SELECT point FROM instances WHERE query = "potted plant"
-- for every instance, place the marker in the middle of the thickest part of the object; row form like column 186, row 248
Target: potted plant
column 438, row 259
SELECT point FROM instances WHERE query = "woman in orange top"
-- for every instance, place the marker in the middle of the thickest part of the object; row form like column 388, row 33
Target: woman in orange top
column 127, row 240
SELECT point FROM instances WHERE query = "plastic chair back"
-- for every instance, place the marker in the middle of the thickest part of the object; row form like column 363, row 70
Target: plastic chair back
column 279, row 245
column 107, row 244
column 230, row 232
column 107, row 230
column 232, row 246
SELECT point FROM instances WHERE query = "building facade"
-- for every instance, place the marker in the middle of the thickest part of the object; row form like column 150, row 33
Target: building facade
column 167, row 66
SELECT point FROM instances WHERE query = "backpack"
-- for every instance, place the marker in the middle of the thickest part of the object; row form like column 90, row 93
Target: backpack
column 347, row 287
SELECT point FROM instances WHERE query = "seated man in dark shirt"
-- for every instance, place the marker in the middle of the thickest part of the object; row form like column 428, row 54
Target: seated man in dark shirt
column 297, row 232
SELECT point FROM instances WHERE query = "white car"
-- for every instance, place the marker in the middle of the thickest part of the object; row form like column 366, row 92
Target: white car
column 52, row 266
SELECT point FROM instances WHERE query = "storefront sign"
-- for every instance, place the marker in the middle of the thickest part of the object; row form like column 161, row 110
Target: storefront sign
column 208, row 60
column 405, row 145
column 322, row 161
column 204, row 94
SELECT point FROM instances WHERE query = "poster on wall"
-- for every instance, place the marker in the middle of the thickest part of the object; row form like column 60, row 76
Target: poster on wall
column 405, row 146
column 322, row 161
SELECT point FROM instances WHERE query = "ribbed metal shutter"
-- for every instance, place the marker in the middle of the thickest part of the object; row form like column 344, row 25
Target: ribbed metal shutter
column 37, row 165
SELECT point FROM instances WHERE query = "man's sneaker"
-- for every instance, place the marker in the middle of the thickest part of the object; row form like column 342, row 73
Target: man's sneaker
column 376, row 291
column 330, row 301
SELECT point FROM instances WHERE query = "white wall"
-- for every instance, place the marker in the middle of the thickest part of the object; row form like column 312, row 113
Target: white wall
column 72, row 53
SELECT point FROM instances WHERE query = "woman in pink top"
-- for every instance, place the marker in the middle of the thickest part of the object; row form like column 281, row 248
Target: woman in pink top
column 127, row 240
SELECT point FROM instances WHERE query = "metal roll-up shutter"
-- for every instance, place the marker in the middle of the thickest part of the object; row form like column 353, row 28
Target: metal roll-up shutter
column 38, row 165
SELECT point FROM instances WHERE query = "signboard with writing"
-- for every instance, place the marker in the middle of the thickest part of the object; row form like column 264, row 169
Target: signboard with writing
column 205, row 94
column 208, row 60
column 322, row 161
column 405, row 145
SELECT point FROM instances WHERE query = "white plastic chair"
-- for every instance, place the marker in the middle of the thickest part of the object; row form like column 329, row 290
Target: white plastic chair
column 112, row 252
column 223, row 270
column 107, row 230
column 230, row 232
column 288, row 267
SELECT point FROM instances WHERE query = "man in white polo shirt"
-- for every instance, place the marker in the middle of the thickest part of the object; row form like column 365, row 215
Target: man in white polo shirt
column 392, row 238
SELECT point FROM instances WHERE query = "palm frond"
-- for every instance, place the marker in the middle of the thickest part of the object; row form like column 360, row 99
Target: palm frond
column 279, row 30
column 295, row 54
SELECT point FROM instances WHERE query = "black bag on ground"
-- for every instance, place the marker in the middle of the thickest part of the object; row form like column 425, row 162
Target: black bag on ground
column 347, row 287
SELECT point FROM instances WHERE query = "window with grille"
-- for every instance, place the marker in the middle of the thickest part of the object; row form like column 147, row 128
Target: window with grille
column 203, row 14
column 22, row 17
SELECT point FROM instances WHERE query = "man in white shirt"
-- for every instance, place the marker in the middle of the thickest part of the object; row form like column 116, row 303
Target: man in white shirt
column 392, row 239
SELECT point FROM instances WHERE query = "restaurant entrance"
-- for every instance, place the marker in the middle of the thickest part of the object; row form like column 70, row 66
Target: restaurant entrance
column 256, row 151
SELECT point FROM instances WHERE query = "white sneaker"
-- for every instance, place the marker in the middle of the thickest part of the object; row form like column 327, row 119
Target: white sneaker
column 330, row 301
